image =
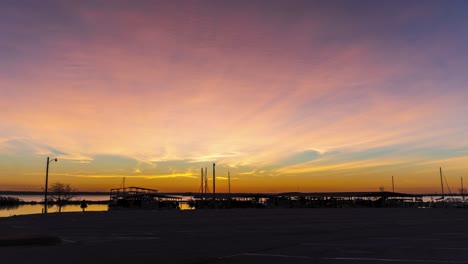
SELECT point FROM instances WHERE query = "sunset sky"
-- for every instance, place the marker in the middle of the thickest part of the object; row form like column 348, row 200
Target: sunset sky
column 303, row 96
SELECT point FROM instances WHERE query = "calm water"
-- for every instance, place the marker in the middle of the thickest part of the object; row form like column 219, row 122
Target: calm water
column 38, row 208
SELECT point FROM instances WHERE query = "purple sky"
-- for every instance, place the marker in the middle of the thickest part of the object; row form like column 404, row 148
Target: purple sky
column 287, row 95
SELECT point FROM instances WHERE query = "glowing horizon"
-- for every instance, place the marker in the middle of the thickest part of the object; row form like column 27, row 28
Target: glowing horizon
column 308, row 96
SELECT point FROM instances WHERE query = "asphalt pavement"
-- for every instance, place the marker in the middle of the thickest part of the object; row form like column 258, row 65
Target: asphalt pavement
column 334, row 235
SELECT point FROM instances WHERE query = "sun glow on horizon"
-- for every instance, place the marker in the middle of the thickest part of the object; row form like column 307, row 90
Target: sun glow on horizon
column 315, row 96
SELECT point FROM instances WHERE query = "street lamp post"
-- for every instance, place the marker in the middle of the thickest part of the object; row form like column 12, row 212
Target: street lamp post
column 47, row 182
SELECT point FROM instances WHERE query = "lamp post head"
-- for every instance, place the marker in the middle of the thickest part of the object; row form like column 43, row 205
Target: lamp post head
column 55, row 159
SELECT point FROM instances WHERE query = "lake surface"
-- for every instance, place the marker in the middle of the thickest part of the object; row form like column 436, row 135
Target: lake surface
column 38, row 208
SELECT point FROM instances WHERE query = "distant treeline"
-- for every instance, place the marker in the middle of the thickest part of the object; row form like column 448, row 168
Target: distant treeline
column 13, row 201
column 12, row 193
column 78, row 201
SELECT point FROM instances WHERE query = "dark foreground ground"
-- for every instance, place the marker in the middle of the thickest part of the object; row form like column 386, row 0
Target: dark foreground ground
column 341, row 236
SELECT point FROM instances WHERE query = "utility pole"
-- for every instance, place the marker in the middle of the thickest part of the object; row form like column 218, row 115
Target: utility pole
column 47, row 183
column 214, row 182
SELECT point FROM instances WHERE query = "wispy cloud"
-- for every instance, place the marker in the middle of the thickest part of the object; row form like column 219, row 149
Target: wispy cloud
column 152, row 89
column 103, row 176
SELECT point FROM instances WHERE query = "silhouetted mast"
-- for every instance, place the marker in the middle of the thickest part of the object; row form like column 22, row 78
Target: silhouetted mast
column 205, row 176
column 214, row 182
column 229, row 182
column 393, row 185
column 441, row 182
column 462, row 189
column 202, row 188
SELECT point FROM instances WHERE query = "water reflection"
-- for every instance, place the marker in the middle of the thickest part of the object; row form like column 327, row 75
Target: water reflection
column 9, row 207
column 38, row 209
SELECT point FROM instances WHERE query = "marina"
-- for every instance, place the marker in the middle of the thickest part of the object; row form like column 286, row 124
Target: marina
column 150, row 199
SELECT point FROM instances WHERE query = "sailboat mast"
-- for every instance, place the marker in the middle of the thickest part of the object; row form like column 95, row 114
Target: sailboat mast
column 206, row 190
column 441, row 181
column 202, row 189
column 462, row 189
column 229, row 181
column 214, row 182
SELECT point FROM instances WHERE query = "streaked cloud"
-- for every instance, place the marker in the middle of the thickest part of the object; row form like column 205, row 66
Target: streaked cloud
column 275, row 91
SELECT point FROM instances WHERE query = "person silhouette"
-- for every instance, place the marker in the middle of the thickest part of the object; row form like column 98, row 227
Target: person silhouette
column 83, row 205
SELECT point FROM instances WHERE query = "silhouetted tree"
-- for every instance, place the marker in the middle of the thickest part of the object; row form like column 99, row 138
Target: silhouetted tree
column 61, row 193
column 83, row 205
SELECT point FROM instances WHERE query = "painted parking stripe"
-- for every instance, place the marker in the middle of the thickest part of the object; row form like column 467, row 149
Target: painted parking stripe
column 353, row 259
column 398, row 260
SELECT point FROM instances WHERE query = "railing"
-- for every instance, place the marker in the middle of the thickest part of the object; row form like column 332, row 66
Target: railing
column 131, row 191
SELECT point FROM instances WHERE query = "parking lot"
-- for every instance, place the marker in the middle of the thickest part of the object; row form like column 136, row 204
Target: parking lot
column 341, row 235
